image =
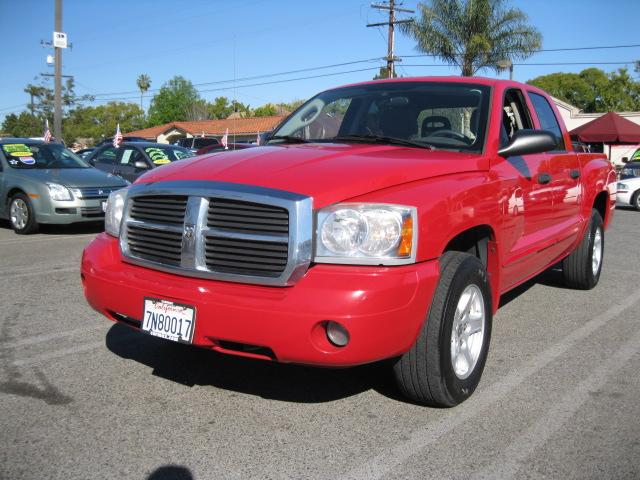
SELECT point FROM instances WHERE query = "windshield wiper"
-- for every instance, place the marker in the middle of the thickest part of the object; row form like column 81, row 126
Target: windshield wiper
column 383, row 139
column 288, row 139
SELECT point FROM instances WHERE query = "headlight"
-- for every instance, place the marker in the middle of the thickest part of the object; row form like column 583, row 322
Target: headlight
column 59, row 192
column 366, row 234
column 623, row 186
column 115, row 208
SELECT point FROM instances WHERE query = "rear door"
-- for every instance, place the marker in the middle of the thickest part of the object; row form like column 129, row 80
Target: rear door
column 126, row 167
column 564, row 168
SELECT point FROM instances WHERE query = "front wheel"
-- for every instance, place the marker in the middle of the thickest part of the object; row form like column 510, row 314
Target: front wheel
column 444, row 365
column 21, row 215
column 582, row 268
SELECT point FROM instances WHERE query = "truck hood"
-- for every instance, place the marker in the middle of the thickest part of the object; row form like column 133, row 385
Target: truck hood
column 73, row 177
column 327, row 172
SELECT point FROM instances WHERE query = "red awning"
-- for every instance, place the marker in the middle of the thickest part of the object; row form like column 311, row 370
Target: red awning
column 609, row 128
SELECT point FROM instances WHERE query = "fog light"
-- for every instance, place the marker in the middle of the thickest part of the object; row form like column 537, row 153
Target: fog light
column 337, row 334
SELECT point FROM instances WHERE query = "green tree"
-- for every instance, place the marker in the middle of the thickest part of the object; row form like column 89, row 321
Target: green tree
column 173, row 101
column 101, row 121
column 473, row 34
column 42, row 98
column 593, row 90
column 384, row 73
column 266, row 110
column 23, row 124
column 144, row 83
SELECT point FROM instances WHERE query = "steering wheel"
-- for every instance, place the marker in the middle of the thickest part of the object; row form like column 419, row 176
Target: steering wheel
column 450, row 134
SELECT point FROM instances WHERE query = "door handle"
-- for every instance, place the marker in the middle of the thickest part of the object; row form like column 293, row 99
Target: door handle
column 544, row 178
column 574, row 174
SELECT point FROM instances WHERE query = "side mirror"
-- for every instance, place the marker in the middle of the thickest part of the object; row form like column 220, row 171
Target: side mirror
column 141, row 165
column 526, row 142
column 625, row 160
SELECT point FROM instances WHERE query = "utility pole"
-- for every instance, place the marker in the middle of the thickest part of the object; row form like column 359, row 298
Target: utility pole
column 57, row 112
column 391, row 6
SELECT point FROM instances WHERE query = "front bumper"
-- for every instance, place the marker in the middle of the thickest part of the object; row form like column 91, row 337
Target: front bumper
column 383, row 308
column 69, row 211
column 623, row 197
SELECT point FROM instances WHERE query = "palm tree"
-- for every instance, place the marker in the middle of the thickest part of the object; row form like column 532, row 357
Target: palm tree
column 143, row 82
column 473, row 34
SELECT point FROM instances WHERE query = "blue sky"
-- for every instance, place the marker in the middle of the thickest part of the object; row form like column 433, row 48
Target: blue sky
column 213, row 41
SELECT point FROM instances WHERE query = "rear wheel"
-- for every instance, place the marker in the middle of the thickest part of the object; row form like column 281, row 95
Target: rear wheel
column 21, row 215
column 582, row 268
column 444, row 365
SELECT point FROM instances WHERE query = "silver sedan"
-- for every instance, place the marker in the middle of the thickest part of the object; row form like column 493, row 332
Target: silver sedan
column 46, row 183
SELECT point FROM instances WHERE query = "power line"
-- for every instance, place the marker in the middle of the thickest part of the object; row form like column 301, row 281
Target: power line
column 262, row 83
column 527, row 64
column 255, row 77
column 568, row 49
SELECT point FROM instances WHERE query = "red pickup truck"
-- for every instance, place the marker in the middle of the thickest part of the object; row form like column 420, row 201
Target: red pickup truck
column 382, row 220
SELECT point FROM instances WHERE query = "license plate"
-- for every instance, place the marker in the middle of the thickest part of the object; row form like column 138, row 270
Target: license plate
column 169, row 320
column 104, row 205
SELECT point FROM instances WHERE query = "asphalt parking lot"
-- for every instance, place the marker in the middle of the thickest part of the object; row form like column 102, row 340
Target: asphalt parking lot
column 84, row 398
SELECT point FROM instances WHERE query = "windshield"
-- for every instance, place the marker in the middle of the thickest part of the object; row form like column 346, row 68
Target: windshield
column 41, row 156
column 168, row 154
column 440, row 115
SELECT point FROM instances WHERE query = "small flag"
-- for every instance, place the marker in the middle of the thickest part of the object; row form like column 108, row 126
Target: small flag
column 117, row 140
column 258, row 138
column 225, row 139
column 47, row 133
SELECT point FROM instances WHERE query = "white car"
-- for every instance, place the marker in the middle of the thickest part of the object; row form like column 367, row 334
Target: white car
column 629, row 186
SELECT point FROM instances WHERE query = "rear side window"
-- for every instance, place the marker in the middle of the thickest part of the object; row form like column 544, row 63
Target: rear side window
column 548, row 120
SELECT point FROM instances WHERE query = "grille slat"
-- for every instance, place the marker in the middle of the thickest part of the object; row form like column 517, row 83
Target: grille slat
column 158, row 246
column 235, row 215
column 244, row 256
column 159, row 209
column 95, row 192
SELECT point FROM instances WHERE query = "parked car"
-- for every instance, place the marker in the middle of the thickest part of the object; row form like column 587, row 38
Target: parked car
column 383, row 220
column 196, row 143
column 629, row 185
column 109, row 140
column 220, row 148
column 132, row 159
column 85, row 152
column 46, row 183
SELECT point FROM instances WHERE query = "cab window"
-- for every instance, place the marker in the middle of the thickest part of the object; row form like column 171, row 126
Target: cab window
column 548, row 120
column 515, row 116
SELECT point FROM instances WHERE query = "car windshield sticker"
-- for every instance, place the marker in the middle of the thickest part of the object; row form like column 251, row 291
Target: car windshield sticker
column 27, row 160
column 636, row 155
column 157, row 155
column 13, row 162
column 180, row 154
column 17, row 150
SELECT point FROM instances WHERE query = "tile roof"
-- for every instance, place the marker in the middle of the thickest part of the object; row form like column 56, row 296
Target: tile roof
column 237, row 126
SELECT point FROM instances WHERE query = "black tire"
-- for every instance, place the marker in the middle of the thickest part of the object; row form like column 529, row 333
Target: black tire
column 22, row 226
column 635, row 200
column 425, row 374
column 577, row 268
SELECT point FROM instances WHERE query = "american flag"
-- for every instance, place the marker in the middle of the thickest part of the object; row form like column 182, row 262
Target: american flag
column 117, row 140
column 225, row 139
column 47, row 133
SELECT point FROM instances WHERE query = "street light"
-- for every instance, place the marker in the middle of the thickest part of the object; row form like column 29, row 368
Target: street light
column 504, row 64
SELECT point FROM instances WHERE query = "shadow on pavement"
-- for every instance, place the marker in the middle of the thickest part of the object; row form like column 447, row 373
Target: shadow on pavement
column 171, row 472
column 191, row 366
column 74, row 228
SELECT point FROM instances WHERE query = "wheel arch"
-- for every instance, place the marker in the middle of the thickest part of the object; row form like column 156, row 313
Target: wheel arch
column 480, row 241
column 600, row 204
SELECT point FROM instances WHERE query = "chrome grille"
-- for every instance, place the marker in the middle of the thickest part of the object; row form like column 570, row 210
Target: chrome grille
column 245, row 256
column 94, row 192
column 234, row 215
column 219, row 231
column 158, row 246
column 159, row 209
